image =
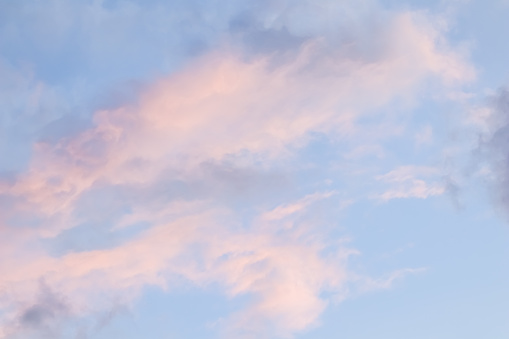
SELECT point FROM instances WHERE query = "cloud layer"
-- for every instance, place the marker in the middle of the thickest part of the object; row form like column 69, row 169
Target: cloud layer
column 158, row 167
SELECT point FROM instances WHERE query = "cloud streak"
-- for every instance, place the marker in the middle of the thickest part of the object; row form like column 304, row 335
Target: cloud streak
column 412, row 182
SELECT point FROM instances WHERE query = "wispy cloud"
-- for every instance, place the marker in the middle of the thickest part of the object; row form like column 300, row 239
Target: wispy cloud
column 412, row 182
column 233, row 115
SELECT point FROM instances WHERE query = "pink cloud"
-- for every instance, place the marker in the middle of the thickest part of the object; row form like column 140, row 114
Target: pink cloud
column 286, row 274
column 220, row 105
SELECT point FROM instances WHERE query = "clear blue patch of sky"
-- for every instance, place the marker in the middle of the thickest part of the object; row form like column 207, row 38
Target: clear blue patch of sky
column 462, row 292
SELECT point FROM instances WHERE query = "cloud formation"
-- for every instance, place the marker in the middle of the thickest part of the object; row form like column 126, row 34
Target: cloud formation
column 493, row 120
column 240, row 107
column 412, row 182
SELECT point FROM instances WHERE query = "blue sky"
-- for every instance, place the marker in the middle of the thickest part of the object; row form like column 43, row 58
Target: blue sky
column 254, row 169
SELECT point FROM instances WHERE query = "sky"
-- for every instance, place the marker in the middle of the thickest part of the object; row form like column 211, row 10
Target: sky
column 254, row 169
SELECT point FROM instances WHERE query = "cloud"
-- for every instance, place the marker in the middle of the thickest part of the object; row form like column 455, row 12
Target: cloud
column 368, row 284
column 412, row 182
column 222, row 106
column 218, row 128
column 281, row 212
column 491, row 150
column 46, row 309
column 285, row 272
column 41, row 318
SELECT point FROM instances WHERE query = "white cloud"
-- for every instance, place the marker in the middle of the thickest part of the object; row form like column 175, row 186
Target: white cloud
column 411, row 182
